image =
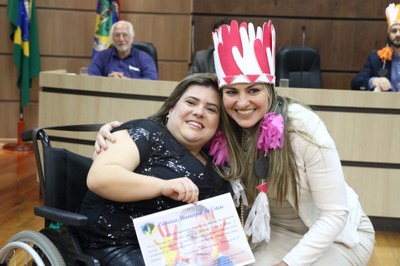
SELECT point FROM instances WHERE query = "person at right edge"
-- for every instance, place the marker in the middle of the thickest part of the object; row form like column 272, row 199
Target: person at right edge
column 381, row 71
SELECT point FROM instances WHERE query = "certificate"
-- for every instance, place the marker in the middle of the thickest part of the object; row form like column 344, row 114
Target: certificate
column 208, row 233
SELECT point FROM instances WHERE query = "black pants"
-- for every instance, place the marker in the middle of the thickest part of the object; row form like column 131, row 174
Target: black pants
column 122, row 255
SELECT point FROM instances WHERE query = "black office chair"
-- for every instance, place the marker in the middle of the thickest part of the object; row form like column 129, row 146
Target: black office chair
column 148, row 48
column 301, row 65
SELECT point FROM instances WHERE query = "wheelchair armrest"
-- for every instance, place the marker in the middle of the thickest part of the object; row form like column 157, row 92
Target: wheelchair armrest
column 27, row 135
column 62, row 216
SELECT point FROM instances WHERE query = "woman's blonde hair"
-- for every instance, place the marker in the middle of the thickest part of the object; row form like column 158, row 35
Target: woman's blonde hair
column 243, row 153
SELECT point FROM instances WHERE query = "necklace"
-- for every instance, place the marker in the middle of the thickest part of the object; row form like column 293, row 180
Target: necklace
column 245, row 136
column 270, row 137
column 245, row 133
column 261, row 170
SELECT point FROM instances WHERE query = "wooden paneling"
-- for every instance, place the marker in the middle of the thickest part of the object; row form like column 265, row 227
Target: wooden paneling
column 137, row 6
column 102, row 105
column 365, row 138
column 67, row 4
column 109, row 99
column 9, row 91
column 320, row 8
column 377, row 196
column 172, row 70
column 72, row 65
column 8, row 85
column 343, row 45
column 357, row 132
column 69, row 33
column 169, row 33
column 8, row 76
column 5, row 42
column 9, row 116
column 362, row 139
column 157, row 6
column 366, row 141
column 78, row 43
column 337, row 81
column 344, row 32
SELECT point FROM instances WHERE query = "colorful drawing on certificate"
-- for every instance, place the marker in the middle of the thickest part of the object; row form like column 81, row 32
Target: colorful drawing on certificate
column 208, row 233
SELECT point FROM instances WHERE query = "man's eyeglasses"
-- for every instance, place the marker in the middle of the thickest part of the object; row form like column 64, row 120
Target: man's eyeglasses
column 119, row 35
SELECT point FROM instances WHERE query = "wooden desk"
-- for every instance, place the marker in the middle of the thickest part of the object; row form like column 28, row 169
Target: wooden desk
column 364, row 125
column 71, row 99
column 76, row 99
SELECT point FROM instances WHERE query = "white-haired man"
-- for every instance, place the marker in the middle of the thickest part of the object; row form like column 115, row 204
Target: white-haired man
column 121, row 59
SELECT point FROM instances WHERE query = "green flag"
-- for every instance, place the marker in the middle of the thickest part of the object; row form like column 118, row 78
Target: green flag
column 107, row 13
column 24, row 34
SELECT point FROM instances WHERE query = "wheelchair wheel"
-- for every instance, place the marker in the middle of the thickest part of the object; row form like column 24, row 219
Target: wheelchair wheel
column 30, row 248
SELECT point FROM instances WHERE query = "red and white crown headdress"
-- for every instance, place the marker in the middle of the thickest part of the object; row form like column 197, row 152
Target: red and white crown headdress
column 242, row 55
column 392, row 14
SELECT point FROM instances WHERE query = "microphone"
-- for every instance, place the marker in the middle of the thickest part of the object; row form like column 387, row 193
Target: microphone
column 193, row 27
column 303, row 29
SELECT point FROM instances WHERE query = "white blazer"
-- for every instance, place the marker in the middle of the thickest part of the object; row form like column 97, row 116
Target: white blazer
column 327, row 205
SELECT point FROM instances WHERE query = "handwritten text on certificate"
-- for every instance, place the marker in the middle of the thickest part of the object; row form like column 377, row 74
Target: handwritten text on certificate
column 208, row 233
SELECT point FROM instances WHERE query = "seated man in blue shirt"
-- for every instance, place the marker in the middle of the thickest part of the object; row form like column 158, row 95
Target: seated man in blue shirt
column 122, row 60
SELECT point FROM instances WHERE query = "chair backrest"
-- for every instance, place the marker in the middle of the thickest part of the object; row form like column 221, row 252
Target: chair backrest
column 63, row 175
column 65, row 178
column 301, row 65
column 148, row 48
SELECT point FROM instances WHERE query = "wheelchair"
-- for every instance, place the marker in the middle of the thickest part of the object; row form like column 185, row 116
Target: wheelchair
column 62, row 176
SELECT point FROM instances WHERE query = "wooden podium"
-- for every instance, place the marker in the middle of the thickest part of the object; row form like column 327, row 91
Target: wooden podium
column 67, row 99
column 76, row 99
column 364, row 125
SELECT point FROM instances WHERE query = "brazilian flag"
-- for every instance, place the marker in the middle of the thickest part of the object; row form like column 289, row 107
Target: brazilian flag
column 107, row 13
column 24, row 34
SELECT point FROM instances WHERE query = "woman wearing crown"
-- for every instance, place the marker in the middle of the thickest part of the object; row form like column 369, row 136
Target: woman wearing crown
column 299, row 209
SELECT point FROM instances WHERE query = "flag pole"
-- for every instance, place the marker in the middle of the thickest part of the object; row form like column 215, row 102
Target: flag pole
column 20, row 145
column 24, row 35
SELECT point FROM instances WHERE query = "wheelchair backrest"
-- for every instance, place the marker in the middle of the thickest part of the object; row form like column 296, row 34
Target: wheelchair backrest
column 62, row 175
column 65, row 178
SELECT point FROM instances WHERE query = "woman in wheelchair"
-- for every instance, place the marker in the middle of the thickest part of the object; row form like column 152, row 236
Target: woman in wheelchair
column 154, row 164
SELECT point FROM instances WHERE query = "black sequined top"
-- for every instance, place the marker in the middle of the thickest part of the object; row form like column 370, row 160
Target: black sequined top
column 161, row 155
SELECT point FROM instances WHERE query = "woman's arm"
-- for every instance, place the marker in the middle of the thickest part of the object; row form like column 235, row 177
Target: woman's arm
column 322, row 190
column 111, row 176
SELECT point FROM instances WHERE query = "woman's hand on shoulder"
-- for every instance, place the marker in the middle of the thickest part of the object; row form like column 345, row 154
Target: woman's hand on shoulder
column 181, row 189
column 103, row 135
